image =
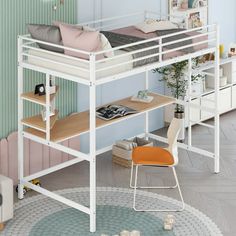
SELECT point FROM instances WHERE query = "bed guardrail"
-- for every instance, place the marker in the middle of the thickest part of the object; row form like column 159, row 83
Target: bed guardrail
column 202, row 38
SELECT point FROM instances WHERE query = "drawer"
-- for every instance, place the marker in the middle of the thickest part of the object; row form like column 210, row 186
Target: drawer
column 224, row 103
column 233, row 77
column 225, row 100
column 234, row 96
column 234, row 66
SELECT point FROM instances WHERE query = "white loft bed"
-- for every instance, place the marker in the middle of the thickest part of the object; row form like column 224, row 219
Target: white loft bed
column 92, row 73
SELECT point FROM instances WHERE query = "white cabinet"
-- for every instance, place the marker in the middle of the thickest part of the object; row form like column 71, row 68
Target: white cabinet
column 234, row 66
column 234, row 96
column 234, row 77
column 224, row 103
column 225, row 100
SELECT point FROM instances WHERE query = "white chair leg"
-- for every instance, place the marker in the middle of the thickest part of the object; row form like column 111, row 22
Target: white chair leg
column 147, row 187
column 180, row 192
column 156, row 210
column 135, row 187
column 131, row 175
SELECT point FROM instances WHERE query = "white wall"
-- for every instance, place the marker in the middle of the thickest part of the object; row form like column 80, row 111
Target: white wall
column 89, row 10
column 94, row 9
column 223, row 13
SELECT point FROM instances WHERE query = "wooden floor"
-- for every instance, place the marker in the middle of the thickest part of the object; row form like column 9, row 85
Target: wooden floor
column 215, row 195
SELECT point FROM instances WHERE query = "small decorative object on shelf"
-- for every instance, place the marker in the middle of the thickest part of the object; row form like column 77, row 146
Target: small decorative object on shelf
column 142, row 96
column 221, row 50
column 43, row 113
column 52, row 86
column 169, row 222
column 40, row 89
column 232, row 50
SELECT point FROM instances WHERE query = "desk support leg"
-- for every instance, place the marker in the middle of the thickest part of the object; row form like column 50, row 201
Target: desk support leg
column 20, row 134
column 146, row 114
column 92, row 118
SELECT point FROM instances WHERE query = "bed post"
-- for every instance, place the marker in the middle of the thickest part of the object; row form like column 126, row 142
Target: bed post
column 48, row 107
column 189, row 101
column 147, row 114
column 20, row 79
column 217, row 116
column 92, row 127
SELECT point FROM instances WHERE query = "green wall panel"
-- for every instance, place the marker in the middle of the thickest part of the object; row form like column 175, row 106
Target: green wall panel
column 14, row 16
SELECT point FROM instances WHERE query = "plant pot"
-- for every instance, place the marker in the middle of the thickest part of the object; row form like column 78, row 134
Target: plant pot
column 180, row 115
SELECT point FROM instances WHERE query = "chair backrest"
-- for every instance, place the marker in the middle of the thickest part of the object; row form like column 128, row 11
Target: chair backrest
column 172, row 135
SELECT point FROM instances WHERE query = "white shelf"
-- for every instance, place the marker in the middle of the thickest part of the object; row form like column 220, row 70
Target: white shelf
column 77, row 124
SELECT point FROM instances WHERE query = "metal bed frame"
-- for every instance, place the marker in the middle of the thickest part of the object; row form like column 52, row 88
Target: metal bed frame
column 26, row 43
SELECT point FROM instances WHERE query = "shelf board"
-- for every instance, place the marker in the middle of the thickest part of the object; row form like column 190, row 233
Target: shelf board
column 203, row 67
column 38, row 123
column 78, row 123
column 30, row 96
column 191, row 10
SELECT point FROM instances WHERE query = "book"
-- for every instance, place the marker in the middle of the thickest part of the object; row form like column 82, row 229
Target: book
column 113, row 111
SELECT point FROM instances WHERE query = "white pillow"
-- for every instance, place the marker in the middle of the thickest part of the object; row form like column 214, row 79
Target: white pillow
column 151, row 25
column 105, row 42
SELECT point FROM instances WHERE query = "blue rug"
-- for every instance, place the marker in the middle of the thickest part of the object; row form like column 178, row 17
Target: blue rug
column 111, row 220
column 42, row 216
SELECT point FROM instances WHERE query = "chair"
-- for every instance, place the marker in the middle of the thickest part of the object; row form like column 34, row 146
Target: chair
column 158, row 157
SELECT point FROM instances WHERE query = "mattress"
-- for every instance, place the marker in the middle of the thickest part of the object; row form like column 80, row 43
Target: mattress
column 65, row 68
column 39, row 57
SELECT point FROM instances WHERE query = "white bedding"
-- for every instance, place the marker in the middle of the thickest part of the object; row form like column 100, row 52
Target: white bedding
column 79, row 64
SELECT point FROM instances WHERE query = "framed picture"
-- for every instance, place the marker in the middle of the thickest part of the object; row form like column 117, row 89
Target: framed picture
column 194, row 20
column 232, row 50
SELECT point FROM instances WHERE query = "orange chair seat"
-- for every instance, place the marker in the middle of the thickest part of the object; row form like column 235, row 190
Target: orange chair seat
column 152, row 156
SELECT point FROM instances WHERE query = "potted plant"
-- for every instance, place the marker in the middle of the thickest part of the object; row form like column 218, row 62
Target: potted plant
column 175, row 78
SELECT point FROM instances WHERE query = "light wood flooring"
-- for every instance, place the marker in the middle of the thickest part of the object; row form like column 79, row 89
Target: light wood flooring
column 213, row 194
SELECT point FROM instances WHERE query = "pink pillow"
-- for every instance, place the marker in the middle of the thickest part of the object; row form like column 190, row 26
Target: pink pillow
column 58, row 23
column 74, row 37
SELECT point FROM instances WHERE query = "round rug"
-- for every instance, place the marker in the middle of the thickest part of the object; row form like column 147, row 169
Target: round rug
column 41, row 216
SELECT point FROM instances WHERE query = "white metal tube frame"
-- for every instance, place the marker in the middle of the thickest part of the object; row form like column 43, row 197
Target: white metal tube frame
column 212, row 36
